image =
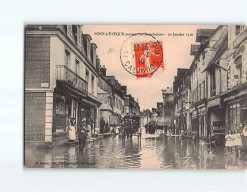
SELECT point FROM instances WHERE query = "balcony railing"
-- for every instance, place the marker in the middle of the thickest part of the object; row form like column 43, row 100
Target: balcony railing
column 93, row 97
column 70, row 77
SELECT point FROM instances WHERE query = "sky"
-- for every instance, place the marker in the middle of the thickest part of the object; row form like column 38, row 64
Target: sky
column 176, row 54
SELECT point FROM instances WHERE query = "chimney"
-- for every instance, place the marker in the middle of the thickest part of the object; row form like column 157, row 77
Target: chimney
column 102, row 70
column 97, row 64
column 124, row 90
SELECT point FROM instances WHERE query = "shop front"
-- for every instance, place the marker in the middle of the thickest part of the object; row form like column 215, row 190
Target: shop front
column 89, row 112
column 236, row 109
column 65, row 118
column 216, row 119
column 198, row 123
column 236, row 114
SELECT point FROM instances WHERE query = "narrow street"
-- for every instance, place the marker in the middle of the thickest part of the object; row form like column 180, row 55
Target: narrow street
column 151, row 151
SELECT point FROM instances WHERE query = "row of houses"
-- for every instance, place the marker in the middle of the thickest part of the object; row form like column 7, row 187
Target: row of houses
column 65, row 84
column 211, row 95
column 116, row 103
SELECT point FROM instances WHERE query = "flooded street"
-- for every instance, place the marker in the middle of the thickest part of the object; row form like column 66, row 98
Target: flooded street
column 149, row 152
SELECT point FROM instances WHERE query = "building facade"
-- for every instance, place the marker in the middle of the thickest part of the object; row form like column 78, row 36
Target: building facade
column 235, row 99
column 168, row 105
column 198, row 109
column 112, row 96
column 216, row 81
column 218, row 77
column 131, row 106
column 61, row 76
column 181, row 87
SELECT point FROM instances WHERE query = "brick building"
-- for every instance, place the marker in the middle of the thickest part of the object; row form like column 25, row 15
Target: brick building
column 61, row 76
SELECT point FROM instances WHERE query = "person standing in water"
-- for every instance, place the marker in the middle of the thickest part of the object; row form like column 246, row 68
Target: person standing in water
column 82, row 135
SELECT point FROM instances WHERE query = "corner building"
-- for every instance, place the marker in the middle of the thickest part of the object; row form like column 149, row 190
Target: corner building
column 61, row 75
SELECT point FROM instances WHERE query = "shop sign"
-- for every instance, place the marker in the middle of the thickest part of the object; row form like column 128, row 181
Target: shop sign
column 219, row 127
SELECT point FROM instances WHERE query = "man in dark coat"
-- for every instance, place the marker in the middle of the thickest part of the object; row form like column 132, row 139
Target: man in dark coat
column 146, row 128
column 82, row 135
column 102, row 125
column 165, row 128
column 174, row 129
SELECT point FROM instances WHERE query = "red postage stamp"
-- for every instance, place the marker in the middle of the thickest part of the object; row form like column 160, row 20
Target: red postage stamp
column 142, row 55
column 148, row 58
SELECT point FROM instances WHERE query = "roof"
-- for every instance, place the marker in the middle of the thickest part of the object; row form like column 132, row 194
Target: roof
column 221, row 46
column 203, row 33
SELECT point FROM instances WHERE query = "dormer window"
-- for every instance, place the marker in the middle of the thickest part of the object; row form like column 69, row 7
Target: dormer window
column 65, row 29
column 69, row 29
column 75, row 33
column 93, row 54
column 87, row 45
column 237, row 30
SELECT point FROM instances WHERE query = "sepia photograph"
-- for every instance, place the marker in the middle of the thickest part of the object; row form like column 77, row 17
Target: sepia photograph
column 135, row 96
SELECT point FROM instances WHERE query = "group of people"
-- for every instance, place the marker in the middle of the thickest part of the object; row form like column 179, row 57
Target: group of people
column 130, row 126
column 84, row 128
column 151, row 127
column 104, row 126
column 236, row 140
column 171, row 129
column 82, row 134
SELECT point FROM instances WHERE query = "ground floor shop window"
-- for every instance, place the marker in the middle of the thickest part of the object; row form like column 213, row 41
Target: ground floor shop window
column 88, row 114
column 233, row 116
column 237, row 114
column 60, row 116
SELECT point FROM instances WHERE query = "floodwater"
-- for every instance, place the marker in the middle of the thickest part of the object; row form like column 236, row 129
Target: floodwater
column 150, row 152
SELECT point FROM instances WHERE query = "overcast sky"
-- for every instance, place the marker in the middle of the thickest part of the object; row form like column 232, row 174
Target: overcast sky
column 176, row 54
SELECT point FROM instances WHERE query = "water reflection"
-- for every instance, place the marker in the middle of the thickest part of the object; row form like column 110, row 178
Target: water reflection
column 154, row 152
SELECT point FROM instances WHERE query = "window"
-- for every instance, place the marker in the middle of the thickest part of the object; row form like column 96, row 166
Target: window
column 77, row 67
column 69, row 29
column 74, row 33
column 92, row 85
column 238, row 62
column 77, row 70
column 87, row 76
column 203, row 90
column 237, row 30
column 234, row 116
column 65, row 29
column 196, row 94
column 199, row 93
column 67, row 58
column 212, row 82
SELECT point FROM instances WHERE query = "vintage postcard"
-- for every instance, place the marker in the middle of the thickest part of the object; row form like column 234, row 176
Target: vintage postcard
column 135, row 96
